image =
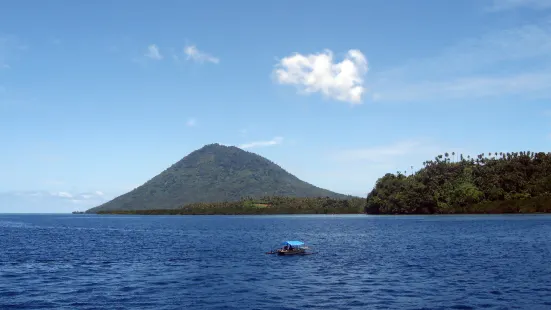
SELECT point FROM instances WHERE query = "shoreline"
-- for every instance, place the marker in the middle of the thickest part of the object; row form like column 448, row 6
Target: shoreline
column 322, row 214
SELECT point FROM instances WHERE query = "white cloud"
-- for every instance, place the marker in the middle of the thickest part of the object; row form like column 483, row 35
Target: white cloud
column 502, row 5
column 274, row 141
column 196, row 55
column 534, row 85
column 342, row 81
column 97, row 195
column 153, row 52
column 463, row 70
column 191, row 122
column 43, row 201
column 62, row 194
column 387, row 153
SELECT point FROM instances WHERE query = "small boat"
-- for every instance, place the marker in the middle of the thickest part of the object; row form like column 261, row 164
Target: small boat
column 292, row 248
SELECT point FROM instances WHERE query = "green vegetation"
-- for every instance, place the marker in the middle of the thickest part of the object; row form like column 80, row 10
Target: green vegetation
column 215, row 173
column 213, row 180
column 266, row 205
column 492, row 183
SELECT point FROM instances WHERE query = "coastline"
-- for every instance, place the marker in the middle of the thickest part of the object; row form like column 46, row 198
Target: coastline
column 316, row 214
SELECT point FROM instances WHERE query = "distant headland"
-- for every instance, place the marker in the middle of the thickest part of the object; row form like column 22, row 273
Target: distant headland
column 219, row 179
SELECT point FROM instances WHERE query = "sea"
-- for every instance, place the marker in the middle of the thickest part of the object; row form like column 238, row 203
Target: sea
column 220, row 262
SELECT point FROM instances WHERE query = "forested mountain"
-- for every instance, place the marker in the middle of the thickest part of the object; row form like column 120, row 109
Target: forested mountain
column 215, row 173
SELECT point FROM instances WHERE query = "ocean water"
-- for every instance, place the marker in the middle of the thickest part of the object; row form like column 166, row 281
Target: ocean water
column 219, row 262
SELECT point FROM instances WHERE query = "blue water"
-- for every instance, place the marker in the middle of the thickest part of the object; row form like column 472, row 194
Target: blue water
column 218, row 262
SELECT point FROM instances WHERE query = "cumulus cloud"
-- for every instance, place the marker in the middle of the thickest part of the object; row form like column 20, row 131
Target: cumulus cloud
column 153, row 52
column 274, row 141
column 198, row 56
column 342, row 81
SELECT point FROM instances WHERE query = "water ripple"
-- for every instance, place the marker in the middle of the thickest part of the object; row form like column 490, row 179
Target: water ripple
column 364, row 262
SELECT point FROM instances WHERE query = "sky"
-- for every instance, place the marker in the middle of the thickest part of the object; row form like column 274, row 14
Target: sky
column 98, row 97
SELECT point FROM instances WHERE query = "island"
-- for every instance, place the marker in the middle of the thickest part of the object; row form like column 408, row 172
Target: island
column 226, row 180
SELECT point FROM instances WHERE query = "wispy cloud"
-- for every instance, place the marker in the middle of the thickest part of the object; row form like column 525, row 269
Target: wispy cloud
column 503, row 5
column 113, row 49
column 534, row 85
column 153, row 52
column 91, row 197
column 318, row 73
column 191, row 122
column 62, row 194
column 55, row 201
column 364, row 164
column 274, row 141
column 196, row 55
column 473, row 69
column 54, row 182
column 388, row 153
column 10, row 48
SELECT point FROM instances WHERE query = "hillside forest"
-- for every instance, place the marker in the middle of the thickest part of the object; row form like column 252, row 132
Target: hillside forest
column 517, row 182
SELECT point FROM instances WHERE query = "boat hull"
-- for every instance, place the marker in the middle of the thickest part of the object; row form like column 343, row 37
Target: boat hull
column 299, row 252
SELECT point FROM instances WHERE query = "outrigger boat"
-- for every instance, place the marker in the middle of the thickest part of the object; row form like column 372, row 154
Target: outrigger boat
column 292, row 248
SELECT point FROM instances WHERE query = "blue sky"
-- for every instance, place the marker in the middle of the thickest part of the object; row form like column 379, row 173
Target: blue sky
column 98, row 97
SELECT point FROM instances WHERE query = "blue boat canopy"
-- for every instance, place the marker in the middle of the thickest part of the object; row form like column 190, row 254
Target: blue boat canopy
column 293, row 243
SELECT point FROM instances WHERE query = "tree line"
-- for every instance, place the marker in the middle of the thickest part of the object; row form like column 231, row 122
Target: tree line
column 265, row 205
